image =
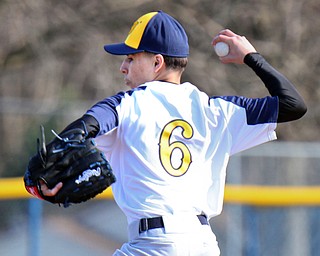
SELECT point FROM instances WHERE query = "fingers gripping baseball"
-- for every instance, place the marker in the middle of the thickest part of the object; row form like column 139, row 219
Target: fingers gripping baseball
column 239, row 46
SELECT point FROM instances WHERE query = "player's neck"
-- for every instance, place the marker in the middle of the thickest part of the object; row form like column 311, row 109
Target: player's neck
column 170, row 76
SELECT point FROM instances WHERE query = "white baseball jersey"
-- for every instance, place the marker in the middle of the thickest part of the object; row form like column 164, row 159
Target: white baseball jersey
column 169, row 145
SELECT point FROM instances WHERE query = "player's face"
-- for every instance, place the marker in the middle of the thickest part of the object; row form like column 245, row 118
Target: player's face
column 138, row 69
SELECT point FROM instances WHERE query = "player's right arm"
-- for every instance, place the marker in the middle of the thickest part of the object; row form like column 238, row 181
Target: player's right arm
column 291, row 104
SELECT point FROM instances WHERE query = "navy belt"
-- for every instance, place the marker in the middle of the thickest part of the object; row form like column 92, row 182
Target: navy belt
column 157, row 222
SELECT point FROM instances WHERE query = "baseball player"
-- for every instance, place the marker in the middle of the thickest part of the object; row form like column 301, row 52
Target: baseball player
column 169, row 143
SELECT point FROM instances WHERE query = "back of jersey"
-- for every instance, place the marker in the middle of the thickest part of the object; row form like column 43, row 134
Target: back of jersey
column 163, row 151
column 170, row 149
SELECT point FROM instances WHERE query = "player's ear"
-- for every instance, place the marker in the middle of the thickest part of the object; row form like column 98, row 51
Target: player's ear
column 158, row 62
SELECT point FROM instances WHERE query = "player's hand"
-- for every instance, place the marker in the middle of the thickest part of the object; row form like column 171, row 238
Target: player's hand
column 49, row 192
column 239, row 46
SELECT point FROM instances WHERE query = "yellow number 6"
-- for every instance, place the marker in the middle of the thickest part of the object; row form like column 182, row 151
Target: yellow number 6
column 167, row 148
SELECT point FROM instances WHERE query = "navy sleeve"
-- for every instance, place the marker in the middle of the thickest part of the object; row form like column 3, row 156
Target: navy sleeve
column 101, row 118
column 105, row 112
column 291, row 104
column 258, row 111
column 90, row 123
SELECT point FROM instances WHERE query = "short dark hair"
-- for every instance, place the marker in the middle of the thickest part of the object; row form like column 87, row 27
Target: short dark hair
column 175, row 63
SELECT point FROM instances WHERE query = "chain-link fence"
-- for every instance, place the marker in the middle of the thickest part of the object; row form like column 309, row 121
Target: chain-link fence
column 249, row 230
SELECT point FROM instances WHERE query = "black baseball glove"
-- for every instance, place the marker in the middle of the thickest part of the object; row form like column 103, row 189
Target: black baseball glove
column 73, row 159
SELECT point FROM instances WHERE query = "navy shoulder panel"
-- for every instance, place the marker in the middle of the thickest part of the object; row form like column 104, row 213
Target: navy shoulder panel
column 105, row 111
column 259, row 110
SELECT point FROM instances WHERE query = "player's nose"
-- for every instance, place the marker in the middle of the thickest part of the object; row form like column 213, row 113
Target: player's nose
column 123, row 68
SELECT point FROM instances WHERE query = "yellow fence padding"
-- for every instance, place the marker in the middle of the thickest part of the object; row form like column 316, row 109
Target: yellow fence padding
column 273, row 195
column 13, row 188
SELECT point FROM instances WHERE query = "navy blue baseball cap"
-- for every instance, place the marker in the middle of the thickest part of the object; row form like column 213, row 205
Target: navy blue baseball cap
column 155, row 32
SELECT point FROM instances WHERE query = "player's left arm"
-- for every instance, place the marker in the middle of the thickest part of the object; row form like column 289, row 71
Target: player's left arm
column 291, row 103
column 87, row 122
column 93, row 128
column 90, row 123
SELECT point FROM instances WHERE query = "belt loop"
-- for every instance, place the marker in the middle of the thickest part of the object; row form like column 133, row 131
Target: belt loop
column 203, row 219
column 143, row 225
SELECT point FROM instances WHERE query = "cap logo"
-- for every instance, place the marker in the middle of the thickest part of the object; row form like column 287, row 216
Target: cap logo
column 136, row 32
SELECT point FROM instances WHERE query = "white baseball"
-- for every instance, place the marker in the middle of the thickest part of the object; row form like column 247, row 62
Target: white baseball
column 222, row 49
